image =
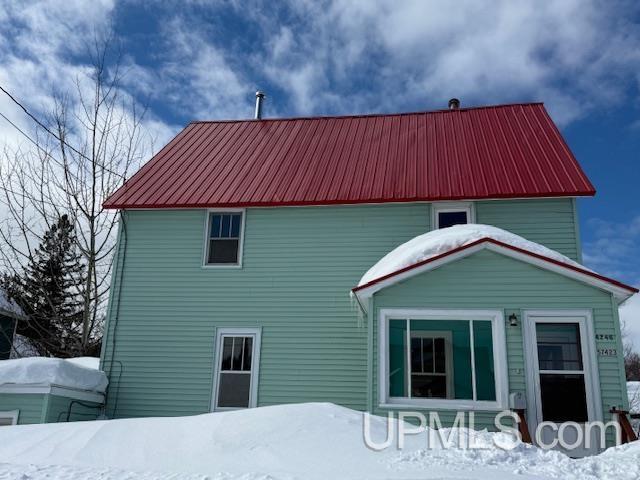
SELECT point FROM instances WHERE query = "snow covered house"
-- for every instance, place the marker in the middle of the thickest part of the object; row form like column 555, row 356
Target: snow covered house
column 423, row 261
column 48, row 390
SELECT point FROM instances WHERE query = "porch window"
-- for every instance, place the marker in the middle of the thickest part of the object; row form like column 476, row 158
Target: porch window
column 224, row 238
column 443, row 360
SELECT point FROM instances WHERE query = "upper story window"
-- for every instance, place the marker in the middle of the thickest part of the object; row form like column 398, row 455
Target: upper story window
column 224, row 238
column 450, row 214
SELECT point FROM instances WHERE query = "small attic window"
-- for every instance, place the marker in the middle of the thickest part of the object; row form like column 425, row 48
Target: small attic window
column 450, row 214
column 224, row 238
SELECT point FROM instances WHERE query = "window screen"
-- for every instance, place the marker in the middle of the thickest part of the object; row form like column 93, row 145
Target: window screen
column 224, row 238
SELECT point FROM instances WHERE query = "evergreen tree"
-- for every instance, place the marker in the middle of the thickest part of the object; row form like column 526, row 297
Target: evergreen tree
column 50, row 292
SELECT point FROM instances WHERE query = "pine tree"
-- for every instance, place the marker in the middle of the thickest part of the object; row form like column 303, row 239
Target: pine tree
column 49, row 291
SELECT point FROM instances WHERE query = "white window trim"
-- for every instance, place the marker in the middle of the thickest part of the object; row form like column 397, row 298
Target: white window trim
column 499, row 359
column 12, row 414
column 439, row 207
column 222, row 332
column 589, row 358
column 205, row 249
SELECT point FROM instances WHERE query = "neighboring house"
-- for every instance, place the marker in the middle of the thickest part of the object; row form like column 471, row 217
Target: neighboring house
column 48, row 390
column 9, row 314
column 240, row 276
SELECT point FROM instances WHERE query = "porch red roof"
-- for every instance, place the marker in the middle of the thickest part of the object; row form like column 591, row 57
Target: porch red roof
column 505, row 151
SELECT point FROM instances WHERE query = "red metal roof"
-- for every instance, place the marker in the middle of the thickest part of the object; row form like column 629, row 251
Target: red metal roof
column 506, row 151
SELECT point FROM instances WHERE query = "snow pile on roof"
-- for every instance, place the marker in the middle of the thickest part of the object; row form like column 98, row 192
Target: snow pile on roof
column 437, row 242
column 8, row 305
column 81, row 373
column 304, row 441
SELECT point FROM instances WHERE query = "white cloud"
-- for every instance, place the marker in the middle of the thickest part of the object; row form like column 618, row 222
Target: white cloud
column 612, row 248
column 572, row 54
column 630, row 318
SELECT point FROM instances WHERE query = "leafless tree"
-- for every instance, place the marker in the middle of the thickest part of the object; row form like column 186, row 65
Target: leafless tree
column 78, row 155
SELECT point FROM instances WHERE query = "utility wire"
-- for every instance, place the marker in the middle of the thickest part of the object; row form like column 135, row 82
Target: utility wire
column 49, row 131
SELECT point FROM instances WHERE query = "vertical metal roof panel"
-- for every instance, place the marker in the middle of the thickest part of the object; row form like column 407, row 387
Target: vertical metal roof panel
column 505, row 151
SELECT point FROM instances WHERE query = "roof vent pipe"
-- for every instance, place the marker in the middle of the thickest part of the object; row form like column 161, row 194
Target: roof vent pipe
column 259, row 99
column 454, row 104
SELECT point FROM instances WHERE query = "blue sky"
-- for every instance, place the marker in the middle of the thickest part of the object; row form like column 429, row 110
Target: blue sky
column 205, row 59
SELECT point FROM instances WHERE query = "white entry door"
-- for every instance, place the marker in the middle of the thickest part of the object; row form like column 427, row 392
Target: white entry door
column 562, row 379
column 237, row 359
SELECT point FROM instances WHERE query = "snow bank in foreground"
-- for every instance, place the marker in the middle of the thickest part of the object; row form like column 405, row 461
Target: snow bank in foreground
column 436, row 242
column 81, row 373
column 305, row 441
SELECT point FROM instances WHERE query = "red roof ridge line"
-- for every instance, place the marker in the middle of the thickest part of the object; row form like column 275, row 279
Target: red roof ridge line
column 369, row 115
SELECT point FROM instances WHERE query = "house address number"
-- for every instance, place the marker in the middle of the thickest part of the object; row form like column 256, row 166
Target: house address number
column 607, row 352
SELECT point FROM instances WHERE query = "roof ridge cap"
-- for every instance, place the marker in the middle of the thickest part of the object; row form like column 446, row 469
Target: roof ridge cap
column 368, row 115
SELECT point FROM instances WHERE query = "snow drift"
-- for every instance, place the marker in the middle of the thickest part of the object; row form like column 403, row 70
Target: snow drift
column 81, row 373
column 437, row 242
column 304, row 441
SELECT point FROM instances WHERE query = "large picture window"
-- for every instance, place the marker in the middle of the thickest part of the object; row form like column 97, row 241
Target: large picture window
column 434, row 358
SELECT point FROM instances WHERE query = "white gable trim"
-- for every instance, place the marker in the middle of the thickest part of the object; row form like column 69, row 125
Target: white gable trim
column 621, row 294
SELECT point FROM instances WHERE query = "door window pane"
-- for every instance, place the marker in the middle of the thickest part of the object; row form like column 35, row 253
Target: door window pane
column 559, row 346
column 227, row 350
column 563, row 398
column 234, row 390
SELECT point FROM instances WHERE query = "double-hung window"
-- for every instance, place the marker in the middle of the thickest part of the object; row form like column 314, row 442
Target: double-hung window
column 443, row 358
column 224, row 238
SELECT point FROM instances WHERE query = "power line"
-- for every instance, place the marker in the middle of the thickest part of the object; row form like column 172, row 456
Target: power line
column 50, row 132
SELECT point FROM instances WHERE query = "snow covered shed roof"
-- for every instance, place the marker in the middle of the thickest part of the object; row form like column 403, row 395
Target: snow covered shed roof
column 77, row 373
column 438, row 247
column 503, row 151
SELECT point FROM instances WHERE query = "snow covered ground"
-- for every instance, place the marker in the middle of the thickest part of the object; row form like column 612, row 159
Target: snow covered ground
column 81, row 373
column 305, row 441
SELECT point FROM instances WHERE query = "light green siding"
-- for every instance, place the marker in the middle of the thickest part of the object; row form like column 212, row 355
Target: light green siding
column 46, row 408
column 299, row 265
column 60, row 408
column 551, row 222
column 298, row 268
column 32, row 407
column 491, row 281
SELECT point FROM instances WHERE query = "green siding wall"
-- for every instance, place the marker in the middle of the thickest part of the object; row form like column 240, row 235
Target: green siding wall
column 32, row 406
column 45, row 408
column 58, row 409
column 491, row 281
column 550, row 222
column 298, row 267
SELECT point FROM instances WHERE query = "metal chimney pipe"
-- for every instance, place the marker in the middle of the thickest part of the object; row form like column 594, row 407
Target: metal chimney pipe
column 259, row 98
column 454, row 104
